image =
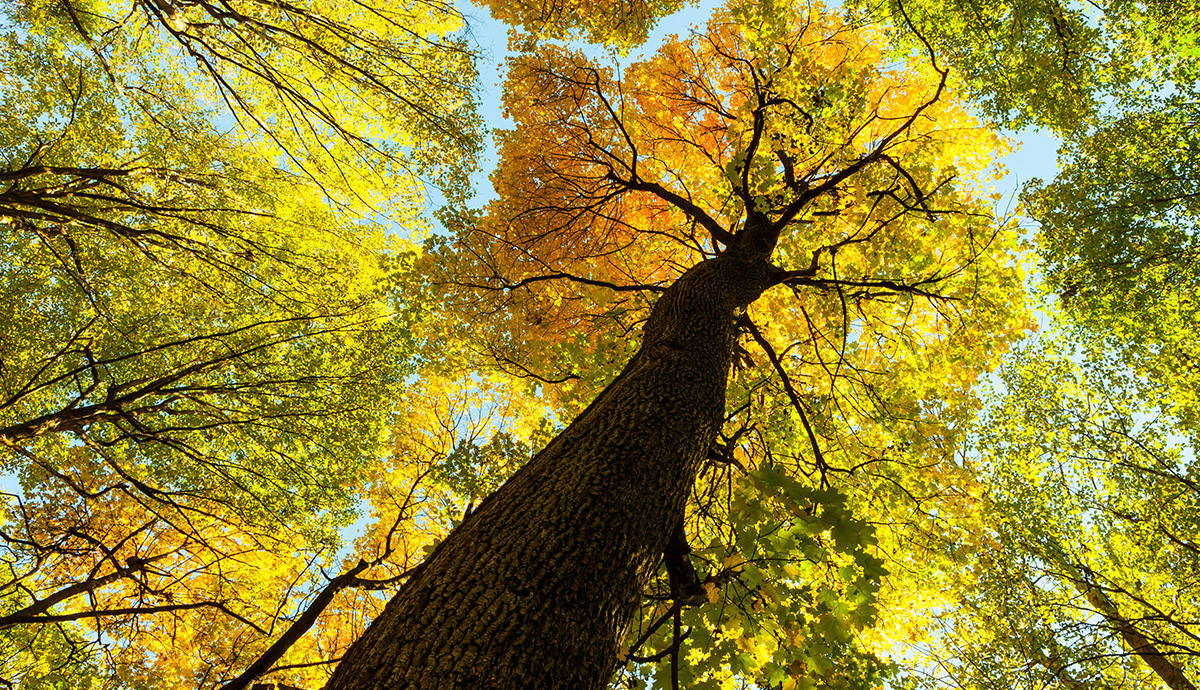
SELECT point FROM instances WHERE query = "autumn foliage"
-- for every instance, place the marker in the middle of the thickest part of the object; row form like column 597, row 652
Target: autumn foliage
column 245, row 393
column 891, row 264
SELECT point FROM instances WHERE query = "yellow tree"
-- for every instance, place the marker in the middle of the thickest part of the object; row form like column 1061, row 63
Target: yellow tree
column 771, row 189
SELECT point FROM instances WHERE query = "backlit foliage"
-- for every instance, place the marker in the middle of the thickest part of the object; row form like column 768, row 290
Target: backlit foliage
column 243, row 400
column 857, row 368
column 210, row 213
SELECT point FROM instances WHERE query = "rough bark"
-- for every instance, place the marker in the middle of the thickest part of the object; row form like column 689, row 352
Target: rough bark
column 538, row 586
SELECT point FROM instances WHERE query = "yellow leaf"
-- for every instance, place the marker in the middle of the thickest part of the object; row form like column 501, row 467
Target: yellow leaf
column 733, row 561
column 712, row 591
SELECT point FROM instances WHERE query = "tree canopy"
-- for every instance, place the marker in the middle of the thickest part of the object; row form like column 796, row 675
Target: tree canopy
column 205, row 313
column 702, row 398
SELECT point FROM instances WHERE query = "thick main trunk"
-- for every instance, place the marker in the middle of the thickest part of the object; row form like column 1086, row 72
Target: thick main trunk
column 537, row 587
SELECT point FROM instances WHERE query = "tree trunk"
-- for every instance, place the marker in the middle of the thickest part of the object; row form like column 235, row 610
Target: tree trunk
column 1087, row 584
column 1138, row 643
column 536, row 588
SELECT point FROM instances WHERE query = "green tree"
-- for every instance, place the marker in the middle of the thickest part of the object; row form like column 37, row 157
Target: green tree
column 1118, row 241
column 207, row 312
column 1085, row 575
column 1061, row 596
column 1053, row 64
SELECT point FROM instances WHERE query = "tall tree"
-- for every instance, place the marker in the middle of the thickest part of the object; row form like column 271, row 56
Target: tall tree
column 773, row 180
column 201, row 325
column 1117, row 247
column 1085, row 572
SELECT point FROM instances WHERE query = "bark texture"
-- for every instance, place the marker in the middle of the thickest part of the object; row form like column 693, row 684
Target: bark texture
column 537, row 587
